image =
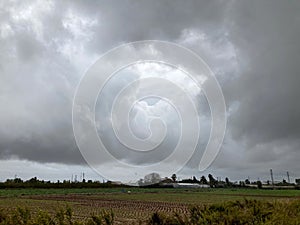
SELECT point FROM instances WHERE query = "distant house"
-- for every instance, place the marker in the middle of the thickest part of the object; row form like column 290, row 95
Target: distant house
column 190, row 185
column 116, row 182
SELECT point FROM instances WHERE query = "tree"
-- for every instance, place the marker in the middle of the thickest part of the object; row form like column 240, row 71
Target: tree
column 227, row 182
column 18, row 180
column 174, row 177
column 33, row 180
column 284, row 181
column 195, row 179
column 259, row 184
column 152, row 178
column 212, row 180
column 203, row 180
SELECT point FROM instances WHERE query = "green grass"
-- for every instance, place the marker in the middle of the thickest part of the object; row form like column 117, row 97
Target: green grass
column 165, row 191
column 205, row 195
column 42, row 191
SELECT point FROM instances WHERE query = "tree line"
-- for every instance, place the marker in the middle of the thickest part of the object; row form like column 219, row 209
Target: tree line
column 36, row 183
column 150, row 180
column 154, row 180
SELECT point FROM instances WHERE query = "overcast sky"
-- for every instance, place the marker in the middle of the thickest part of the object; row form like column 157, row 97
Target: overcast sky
column 252, row 47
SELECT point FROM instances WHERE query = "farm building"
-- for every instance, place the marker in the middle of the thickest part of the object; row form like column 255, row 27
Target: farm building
column 190, row 185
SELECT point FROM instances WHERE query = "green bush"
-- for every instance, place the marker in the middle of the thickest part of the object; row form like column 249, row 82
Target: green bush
column 235, row 213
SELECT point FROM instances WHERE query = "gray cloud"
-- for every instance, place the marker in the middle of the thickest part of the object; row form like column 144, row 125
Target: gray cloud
column 253, row 48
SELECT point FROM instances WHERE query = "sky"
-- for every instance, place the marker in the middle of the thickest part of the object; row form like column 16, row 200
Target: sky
column 252, row 47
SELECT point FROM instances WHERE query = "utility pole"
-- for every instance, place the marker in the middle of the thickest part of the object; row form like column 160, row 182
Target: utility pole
column 288, row 176
column 271, row 172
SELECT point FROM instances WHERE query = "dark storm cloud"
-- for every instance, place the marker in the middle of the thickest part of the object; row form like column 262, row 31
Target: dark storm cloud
column 44, row 45
column 266, row 35
column 132, row 21
column 264, row 123
column 253, row 48
column 36, row 89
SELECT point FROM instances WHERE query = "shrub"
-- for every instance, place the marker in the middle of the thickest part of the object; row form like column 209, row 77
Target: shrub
column 105, row 217
column 236, row 213
column 22, row 216
column 245, row 212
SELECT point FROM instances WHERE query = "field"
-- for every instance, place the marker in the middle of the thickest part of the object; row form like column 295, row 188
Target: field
column 132, row 205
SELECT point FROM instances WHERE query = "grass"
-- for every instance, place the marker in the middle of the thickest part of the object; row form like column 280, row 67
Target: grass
column 24, row 216
column 43, row 191
column 138, row 205
column 205, row 195
column 253, row 192
column 235, row 212
column 232, row 212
